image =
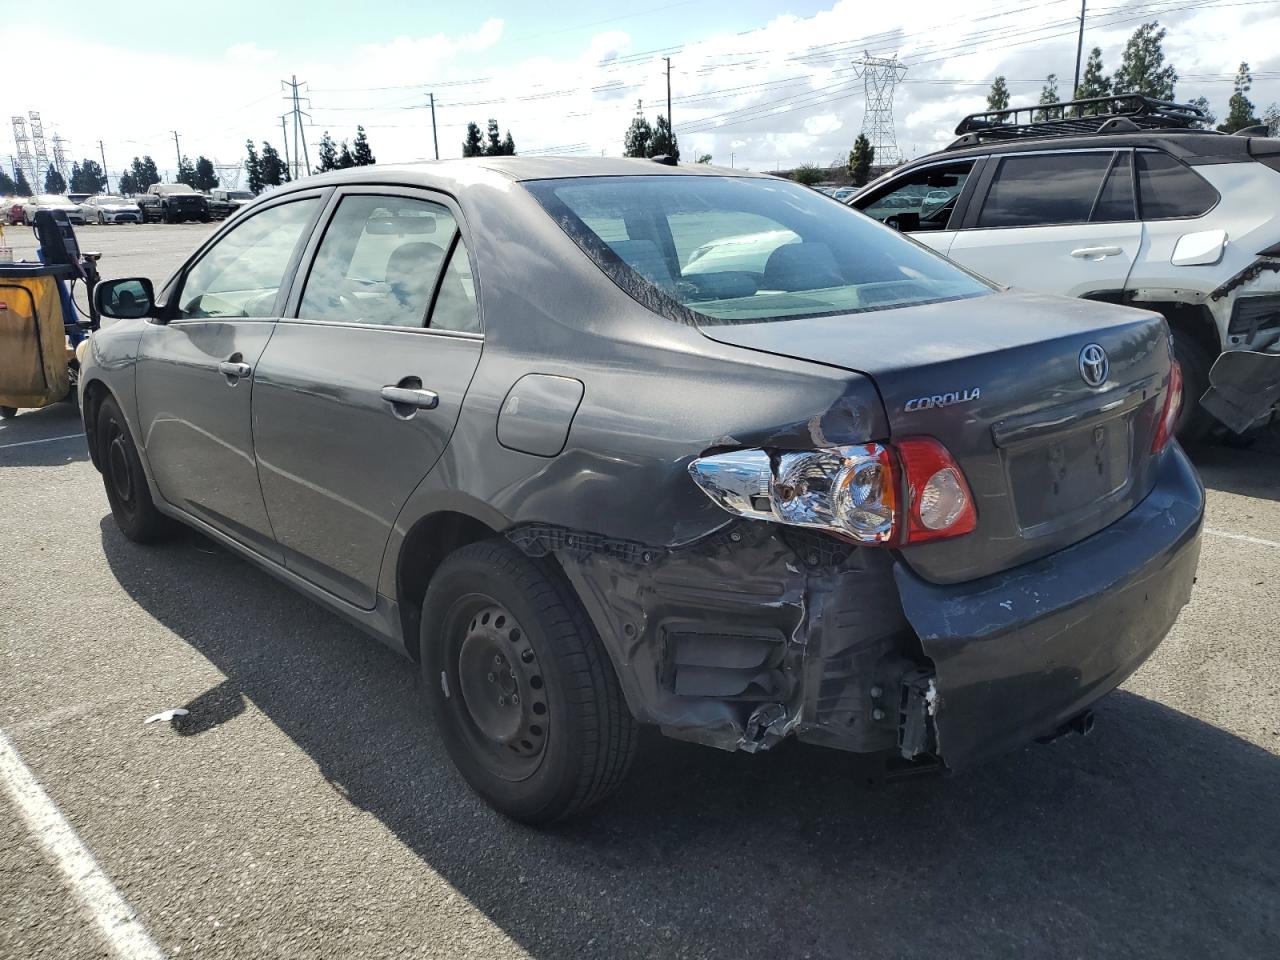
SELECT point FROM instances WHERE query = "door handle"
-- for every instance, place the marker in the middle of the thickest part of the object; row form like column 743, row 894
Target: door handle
column 1096, row 253
column 410, row 397
column 230, row 368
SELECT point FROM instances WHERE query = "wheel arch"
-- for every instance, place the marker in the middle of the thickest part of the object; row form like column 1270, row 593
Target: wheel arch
column 1192, row 320
column 95, row 391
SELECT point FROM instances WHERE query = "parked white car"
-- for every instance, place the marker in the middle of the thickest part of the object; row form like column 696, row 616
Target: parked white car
column 106, row 208
column 1146, row 210
column 51, row 201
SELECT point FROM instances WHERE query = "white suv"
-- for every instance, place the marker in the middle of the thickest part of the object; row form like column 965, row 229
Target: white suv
column 1130, row 204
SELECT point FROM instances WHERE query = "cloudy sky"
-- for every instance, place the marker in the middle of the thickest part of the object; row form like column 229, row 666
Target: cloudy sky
column 759, row 84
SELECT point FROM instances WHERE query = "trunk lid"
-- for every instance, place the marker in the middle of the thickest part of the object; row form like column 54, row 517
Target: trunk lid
column 998, row 379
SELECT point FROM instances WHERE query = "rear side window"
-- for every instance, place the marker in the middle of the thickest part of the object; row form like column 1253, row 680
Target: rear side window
column 1045, row 189
column 1171, row 191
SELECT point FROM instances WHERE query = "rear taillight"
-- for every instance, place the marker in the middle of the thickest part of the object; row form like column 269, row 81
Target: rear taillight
column 871, row 493
column 939, row 502
column 1172, row 407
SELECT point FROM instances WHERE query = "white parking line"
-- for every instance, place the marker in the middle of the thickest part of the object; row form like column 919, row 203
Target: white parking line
column 27, row 443
column 1274, row 544
column 120, row 926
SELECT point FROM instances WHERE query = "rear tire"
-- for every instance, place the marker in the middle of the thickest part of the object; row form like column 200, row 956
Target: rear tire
column 134, row 511
column 1193, row 423
column 8, row 412
column 498, row 627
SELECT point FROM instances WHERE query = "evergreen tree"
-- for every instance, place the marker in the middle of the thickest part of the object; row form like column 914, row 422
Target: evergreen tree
column 1093, row 83
column 998, row 97
column 21, row 187
column 328, row 154
column 7, row 187
column 860, row 159
column 186, row 173
column 508, row 146
column 704, row 158
column 125, row 185
column 206, row 176
column 144, row 173
column 494, row 147
column 639, row 136
column 807, row 174
column 664, row 141
column 1048, row 95
column 1271, row 118
column 360, row 151
column 1202, row 104
column 473, row 145
column 1239, row 108
column 253, row 167
column 54, row 181
column 1142, row 68
column 272, row 166
column 345, row 160
column 87, row 177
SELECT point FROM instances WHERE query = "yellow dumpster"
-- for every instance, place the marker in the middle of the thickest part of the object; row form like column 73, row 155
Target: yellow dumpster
column 34, row 353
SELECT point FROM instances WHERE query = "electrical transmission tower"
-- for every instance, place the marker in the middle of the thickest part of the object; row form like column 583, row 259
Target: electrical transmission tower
column 23, row 144
column 301, row 158
column 879, row 76
column 228, row 174
column 61, row 154
column 41, row 167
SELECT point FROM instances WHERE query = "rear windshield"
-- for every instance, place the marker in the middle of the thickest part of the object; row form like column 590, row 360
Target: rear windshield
column 743, row 250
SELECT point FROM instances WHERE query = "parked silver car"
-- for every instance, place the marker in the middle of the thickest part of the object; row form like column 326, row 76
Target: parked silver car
column 51, row 201
column 836, row 489
column 106, row 208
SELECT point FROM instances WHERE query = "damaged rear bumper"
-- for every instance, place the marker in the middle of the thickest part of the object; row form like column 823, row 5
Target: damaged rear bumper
column 1018, row 654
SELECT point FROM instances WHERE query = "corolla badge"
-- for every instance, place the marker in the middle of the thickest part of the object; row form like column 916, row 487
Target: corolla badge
column 1094, row 365
column 943, row 399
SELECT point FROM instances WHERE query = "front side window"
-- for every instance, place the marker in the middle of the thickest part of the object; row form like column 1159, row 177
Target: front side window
column 380, row 261
column 923, row 200
column 1044, row 189
column 240, row 275
column 736, row 250
column 1170, row 190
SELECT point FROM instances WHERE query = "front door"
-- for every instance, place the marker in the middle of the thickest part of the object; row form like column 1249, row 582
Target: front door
column 1060, row 223
column 195, row 371
column 922, row 202
column 356, row 397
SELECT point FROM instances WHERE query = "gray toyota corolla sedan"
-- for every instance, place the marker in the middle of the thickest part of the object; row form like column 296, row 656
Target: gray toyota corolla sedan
column 608, row 442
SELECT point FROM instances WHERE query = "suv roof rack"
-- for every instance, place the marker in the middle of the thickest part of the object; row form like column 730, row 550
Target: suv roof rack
column 1120, row 113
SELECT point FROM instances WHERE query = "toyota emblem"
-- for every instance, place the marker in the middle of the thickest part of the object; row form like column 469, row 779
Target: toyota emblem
column 1094, row 365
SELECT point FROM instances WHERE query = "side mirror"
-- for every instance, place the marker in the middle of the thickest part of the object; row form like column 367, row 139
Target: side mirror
column 130, row 299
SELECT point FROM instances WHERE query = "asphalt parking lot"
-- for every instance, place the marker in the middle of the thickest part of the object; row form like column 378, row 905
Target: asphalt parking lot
column 304, row 809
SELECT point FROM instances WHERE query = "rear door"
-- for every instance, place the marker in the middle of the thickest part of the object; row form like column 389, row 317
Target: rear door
column 358, row 392
column 1062, row 223
column 194, row 371
column 925, row 202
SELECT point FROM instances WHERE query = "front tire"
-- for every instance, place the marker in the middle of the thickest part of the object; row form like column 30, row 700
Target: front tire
column 134, row 511
column 523, row 692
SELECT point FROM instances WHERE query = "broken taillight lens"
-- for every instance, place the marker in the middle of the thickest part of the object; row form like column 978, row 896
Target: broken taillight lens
column 870, row 493
column 1172, row 407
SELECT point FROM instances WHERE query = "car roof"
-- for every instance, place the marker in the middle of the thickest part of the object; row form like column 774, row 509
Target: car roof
column 1190, row 146
column 447, row 174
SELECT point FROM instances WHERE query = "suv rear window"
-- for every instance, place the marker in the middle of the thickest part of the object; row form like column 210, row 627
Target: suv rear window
column 1170, row 190
column 1044, row 189
column 736, row 250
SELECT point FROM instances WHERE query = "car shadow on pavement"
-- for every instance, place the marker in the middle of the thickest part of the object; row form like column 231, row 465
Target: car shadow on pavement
column 1251, row 471
column 48, row 437
column 1156, row 836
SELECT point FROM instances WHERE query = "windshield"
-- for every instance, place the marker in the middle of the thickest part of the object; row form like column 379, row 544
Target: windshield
column 239, row 195
column 736, row 250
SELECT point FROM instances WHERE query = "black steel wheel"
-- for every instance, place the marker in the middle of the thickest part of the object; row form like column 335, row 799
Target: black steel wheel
column 523, row 692
column 122, row 475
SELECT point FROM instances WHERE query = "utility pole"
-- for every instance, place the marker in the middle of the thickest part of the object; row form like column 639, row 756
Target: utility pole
column 435, row 141
column 284, row 136
column 106, row 176
column 1079, row 47
column 670, row 124
column 731, row 156
column 178, row 150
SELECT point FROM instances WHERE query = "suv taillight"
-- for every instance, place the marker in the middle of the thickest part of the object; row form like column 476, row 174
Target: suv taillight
column 1172, row 407
column 875, row 494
